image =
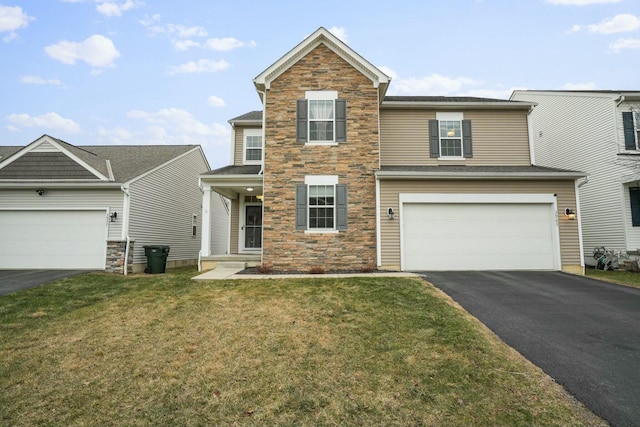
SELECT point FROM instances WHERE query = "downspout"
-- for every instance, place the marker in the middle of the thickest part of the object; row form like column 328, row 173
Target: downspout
column 586, row 179
column 620, row 100
column 532, row 153
column 125, row 225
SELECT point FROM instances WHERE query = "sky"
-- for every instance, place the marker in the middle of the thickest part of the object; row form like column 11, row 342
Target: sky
column 129, row 72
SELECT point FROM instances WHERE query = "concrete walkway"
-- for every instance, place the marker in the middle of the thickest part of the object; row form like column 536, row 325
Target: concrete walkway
column 226, row 273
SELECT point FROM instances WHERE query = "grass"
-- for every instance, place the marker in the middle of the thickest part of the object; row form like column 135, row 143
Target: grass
column 101, row 350
column 628, row 278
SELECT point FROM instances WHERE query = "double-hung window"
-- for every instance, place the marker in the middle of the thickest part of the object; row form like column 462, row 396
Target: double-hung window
column 631, row 128
column 450, row 136
column 321, row 118
column 252, row 146
column 321, row 204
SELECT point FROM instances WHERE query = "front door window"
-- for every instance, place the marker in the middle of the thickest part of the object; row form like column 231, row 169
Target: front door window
column 253, row 227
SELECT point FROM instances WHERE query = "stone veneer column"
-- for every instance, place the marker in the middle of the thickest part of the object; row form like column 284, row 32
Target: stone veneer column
column 116, row 250
column 287, row 162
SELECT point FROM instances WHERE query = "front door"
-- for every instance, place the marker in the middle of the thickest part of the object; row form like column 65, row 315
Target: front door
column 253, row 227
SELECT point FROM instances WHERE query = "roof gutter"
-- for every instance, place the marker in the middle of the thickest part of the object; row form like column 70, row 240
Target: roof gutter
column 58, row 184
column 508, row 105
column 476, row 175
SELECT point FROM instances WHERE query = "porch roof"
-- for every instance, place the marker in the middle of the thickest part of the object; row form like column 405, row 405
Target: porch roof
column 230, row 181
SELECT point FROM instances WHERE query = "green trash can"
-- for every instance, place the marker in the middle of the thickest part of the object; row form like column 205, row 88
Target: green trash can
column 156, row 258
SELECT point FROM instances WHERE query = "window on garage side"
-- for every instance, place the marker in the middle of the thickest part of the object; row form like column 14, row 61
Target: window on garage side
column 450, row 136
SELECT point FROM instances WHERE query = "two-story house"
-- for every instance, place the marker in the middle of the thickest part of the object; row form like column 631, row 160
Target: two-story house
column 597, row 132
column 333, row 174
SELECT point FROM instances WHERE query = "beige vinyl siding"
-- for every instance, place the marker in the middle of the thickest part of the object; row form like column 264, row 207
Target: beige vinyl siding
column 163, row 203
column 235, row 225
column 499, row 138
column 583, row 132
column 238, row 147
column 58, row 198
column 389, row 197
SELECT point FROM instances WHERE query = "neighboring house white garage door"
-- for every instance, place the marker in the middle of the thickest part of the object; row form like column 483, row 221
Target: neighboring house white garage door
column 488, row 233
column 56, row 239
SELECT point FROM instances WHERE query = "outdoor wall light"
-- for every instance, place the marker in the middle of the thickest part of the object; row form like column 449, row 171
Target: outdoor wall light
column 390, row 213
column 113, row 217
column 41, row 191
column 570, row 213
column 249, row 189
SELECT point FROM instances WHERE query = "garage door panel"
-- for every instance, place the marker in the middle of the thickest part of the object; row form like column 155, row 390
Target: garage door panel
column 53, row 239
column 476, row 236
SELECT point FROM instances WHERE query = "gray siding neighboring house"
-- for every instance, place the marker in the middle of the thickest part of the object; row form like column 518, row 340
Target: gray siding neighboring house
column 584, row 130
column 65, row 206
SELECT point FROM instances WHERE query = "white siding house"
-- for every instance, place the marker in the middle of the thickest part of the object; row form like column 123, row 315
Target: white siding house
column 96, row 207
column 585, row 131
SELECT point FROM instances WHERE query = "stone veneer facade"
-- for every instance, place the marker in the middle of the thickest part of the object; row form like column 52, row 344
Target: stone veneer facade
column 116, row 250
column 287, row 162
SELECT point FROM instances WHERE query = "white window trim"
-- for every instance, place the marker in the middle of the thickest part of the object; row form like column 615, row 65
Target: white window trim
column 246, row 133
column 636, row 128
column 321, row 180
column 321, row 95
column 450, row 116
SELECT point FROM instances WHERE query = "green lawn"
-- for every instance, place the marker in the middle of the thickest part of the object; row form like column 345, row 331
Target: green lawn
column 154, row 350
column 629, row 278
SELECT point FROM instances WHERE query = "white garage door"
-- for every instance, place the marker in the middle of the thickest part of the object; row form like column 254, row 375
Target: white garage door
column 478, row 236
column 52, row 239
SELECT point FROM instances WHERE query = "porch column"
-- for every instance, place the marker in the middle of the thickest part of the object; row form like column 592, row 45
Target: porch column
column 205, row 244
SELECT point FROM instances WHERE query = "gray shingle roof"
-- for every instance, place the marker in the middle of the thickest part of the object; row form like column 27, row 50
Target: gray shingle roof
column 127, row 161
column 236, row 170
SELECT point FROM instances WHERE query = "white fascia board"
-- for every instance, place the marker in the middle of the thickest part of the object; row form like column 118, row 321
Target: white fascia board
column 477, row 175
column 230, row 180
column 59, row 184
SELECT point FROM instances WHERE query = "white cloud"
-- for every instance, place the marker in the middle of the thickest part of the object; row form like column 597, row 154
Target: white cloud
column 35, row 80
column 621, row 44
column 581, row 2
column 339, row 32
column 12, row 18
column 51, row 121
column 228, row 43
column 434, row 84
column 167, row 126
column 111, row 8
column 200, row 66
column 388, row 71
column 97, row 51
column 215, row 101
column 618, row 24
column 579, row 86
column 185, row 44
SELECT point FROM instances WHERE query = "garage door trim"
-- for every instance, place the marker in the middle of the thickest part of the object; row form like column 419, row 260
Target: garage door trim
column 475, row 198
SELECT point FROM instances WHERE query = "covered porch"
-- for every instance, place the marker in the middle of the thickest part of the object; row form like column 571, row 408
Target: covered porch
column 242, row 185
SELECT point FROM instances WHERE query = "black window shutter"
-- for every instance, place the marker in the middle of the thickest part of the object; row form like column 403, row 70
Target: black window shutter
column 629, row 134
column 301, row 120
column 467, row 149
column 341, row 207
column 634, row 196
column 301, row 207
column 434, row 139
column 341, row 120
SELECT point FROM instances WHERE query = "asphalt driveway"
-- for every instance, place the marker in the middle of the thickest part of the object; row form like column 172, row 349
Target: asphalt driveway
column 582, row 332
column 16, row 280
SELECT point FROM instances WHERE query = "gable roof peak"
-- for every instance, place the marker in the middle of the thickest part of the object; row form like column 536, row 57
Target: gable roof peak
column 323, row 36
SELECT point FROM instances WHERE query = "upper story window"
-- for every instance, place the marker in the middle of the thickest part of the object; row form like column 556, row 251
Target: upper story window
column 631, row 128
column 321, row 118
column 252, row 146
column 450, row 137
